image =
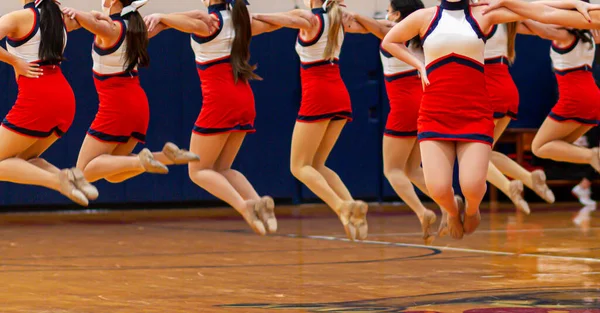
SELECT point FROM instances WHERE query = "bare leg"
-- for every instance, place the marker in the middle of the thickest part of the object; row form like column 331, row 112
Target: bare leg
column 235, row 178
column 554, row 141
column 333, row 180
column 33, row 153
column 473, row 159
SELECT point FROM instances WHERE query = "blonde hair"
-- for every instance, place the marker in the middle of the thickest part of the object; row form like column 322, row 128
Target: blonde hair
column 335, row 13
column 511, row 33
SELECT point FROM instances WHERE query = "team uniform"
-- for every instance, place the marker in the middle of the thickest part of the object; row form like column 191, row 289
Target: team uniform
column 324, row 94
column 404, row 90
column 503, row 93
column 45, row 105
column 123, row 112
column 227, row 106
column 455, row 105
column 579, row 97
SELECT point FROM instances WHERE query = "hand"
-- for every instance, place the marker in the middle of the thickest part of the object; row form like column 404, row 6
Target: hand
column 349, row 17
column 103, row 17
column 585, row 8
column 70, row 12
column 152, row 21
column 211, row 21
column 423, row 74
column 30, row 70
column 491, row 5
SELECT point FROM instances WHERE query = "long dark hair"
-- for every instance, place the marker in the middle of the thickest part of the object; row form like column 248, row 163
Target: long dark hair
column 52, row 32
column 582, row 34
column 240, row 49
column 406, row 8
column 137, row 40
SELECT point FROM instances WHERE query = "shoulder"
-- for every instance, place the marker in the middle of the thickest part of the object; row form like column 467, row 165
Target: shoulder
column 424, row 14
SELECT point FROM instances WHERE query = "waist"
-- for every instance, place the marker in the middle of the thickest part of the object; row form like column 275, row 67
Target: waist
column 400, row 75
column 579, row 70
column 126, row 74
column 205, row 65
column 497, row 60
column 320, row 64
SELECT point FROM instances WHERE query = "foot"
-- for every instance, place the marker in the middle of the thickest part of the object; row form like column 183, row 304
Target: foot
column 515, row 193
column 595, row 161
column 178, row 156
column 150, row 164
column 584, row 195
column 427, row 221
column 266, row 213
column 251, row 217
column 471, row 223
column 443, row 228
column 538, row 178
column 68, row 189
column 359, row 219
column 345, row 213
column 455, row 227
column 83, row 185
column 583, row 216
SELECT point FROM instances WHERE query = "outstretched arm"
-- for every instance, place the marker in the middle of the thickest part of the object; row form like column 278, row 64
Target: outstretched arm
column 100, row 27
column 260, row 27
column 379, row 28
column 550, row 32
column 351, row 25
column 9, row 25
column 293, row 19
column 181, row 22
column 407, row 29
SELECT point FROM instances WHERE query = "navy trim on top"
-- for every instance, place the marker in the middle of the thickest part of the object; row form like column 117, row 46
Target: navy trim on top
column 453, row 58
column 199, row 39
column 567, row 49
column 492, row 32
column 393, row 77
column 217, row 7
column 454, row 5
column 34, row 30
column 497, row 60
column 205, row 66
column 123, row 74
column 385, row 53
column 318, row 36
column 101, row 51
column 434, row 23
column 474, row 24
column 585, row 67
column 306, row 66
column 318, row 11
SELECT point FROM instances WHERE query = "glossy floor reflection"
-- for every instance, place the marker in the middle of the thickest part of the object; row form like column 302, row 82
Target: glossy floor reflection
column 142, row 262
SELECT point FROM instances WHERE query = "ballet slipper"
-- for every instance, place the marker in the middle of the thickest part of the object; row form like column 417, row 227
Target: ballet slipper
column 345, row 213
column 251, row 217
column 429, row 218
column 83, row 185
column 471, row 223
column 359, row 219
column 538, row 178
column 68, row 188
column 178, row 156
column 515, row 193
column 150, row 164
column 266, row 213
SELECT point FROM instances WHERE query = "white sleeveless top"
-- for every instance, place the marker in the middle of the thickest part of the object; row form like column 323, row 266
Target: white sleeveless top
column 575, row 57
column 496, row 47
column 453, row 30
column 215, row 48
column 28, row 47
column 394, row 68
column 311, row 52
column 111, row 62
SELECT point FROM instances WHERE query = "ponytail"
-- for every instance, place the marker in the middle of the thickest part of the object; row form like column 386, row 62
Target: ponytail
column 240, row 49
column 52, row 30
column 511, row 34
column 137, row 40
column 334, row 11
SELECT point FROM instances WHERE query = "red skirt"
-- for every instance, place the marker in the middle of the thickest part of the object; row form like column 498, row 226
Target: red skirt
column 405, row 99
column 503, row 93
column 44, row 106
column 123, row 112
column 455, row 105
column 226, row 106
column 579, row 99
column 324, row 95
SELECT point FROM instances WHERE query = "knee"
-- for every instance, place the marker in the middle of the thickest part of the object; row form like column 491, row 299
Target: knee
column 537, row 149
column 414, row 173
column 115, row 179
column 37, row 161
column 296, row 170
column 440, row 190
column 473, row 189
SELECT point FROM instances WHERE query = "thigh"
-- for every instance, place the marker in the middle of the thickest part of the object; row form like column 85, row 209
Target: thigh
column 397, row 151
column 582, row 130
column 334, row 129
column 501, row 125
column 13, row 144
column 91, row 149
column 438, row 159
column 39, row 147
column 209, row 149
column 552, row 130
column 473, row 160
column 125, row 149
column 414, row 159
column 306, row 140
column 230, row 151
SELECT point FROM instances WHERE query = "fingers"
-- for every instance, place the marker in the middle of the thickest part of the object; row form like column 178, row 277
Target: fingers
column 34, row 71
column 586, row 14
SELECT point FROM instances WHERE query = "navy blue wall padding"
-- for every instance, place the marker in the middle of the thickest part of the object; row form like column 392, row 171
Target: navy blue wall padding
column 173, row 88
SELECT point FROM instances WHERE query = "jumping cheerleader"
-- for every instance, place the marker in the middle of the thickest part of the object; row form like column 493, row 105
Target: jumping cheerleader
column 325, row 107
column 227, row 115
column 45, row 106
column 120, row 46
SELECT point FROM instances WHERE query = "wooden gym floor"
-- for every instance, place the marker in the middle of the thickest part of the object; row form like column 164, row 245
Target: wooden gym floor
column 208, row 261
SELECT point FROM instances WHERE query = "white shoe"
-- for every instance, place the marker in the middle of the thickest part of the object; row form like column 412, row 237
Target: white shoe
column 584, row 215
column 583, row 195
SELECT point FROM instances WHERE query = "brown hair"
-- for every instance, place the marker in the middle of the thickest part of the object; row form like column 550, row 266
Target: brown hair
column 334, row 11
column 52, row 30
column 240, row 50
column 511, row 33
column 137, row 40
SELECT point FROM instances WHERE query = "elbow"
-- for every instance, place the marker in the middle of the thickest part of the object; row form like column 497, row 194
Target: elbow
column 386, row 43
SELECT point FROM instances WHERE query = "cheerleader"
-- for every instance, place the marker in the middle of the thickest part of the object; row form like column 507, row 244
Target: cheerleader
column 120, row 46
column 455, row 118
column 227, row 115
column 504, row 98
column 325, row 107
column 401, row 154
column 45, row 106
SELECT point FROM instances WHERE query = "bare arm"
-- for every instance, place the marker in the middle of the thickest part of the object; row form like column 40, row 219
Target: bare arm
column 550, row 32
column 185, row 24
column 100, row 27
column 71, row 24
column 379, row 28
column 260, row 27
column 9, row 25
column 289, row 20
column 351, row 25
column 523, row 29
column 404, row 31
column 157, row 30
